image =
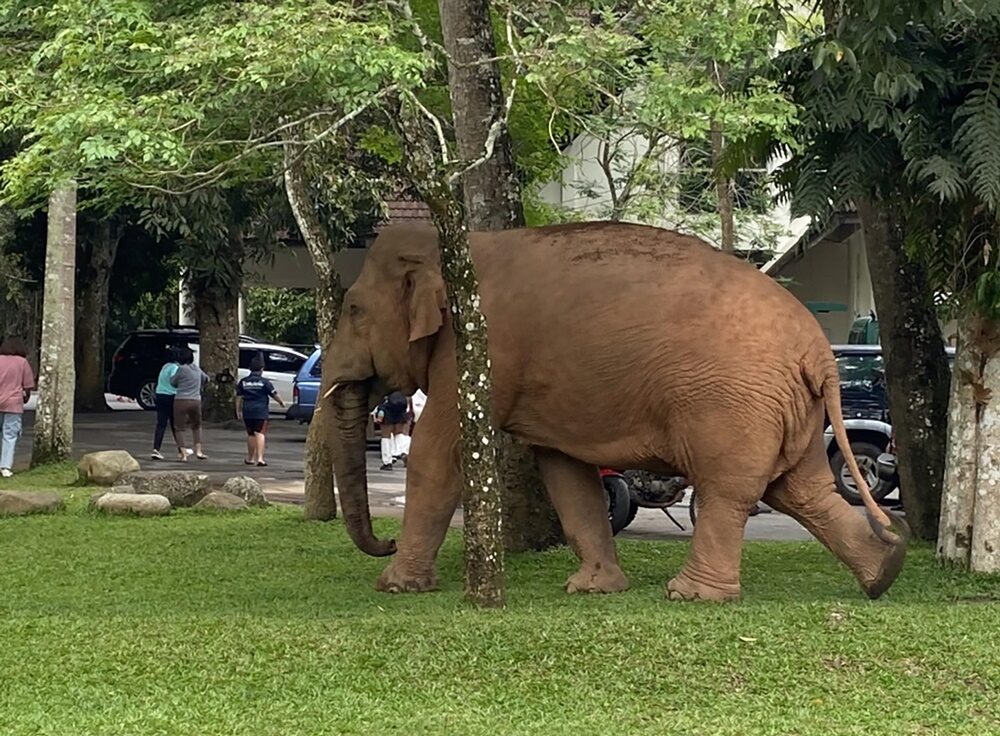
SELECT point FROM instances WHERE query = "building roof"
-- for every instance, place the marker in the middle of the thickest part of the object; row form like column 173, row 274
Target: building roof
column 840, row 226
column 404, row 209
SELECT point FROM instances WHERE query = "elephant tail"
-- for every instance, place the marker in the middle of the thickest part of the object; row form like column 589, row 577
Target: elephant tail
column 824, row 381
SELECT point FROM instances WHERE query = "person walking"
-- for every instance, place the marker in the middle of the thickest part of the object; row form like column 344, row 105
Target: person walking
column 189, row 380
column 16, row 384
column 391, row 415
column 165, row 393
column 253, row 405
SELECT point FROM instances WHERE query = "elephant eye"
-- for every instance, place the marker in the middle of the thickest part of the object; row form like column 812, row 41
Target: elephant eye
column 354, row 309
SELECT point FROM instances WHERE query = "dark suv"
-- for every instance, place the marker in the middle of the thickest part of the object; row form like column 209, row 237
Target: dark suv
column 137, row 361
column 865, row 407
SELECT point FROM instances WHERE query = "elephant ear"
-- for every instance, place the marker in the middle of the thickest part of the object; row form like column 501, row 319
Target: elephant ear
column 425, row 289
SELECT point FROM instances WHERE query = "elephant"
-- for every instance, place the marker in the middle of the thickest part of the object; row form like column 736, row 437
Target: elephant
column 613, row 345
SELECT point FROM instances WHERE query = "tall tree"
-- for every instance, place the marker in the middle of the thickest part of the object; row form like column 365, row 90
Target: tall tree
column 492, row 199
column 672, row 88
column 53, row 440
column 321, row 504
column 854, row 92
column 98, row 253
column 335, row 193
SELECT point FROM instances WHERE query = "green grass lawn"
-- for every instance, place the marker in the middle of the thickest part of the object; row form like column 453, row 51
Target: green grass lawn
column 261, row 624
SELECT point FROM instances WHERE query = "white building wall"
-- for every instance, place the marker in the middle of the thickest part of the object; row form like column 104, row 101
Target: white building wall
column 833, row 272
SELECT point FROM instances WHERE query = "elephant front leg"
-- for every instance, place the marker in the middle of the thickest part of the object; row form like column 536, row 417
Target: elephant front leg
column 580, row 501
column 433, row 489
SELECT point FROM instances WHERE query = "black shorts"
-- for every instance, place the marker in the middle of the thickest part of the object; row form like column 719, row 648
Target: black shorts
column 255, row 426
column 394, row 414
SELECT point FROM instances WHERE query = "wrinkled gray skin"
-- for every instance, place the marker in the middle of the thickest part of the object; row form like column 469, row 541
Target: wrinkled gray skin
column 611, row 345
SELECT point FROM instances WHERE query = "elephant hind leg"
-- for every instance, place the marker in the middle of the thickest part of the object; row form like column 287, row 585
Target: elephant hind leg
column 712, row 570
column 808, row 494
column 580, row 501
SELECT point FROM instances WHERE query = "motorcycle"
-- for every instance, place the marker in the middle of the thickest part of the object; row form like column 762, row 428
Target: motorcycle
column 631, row 490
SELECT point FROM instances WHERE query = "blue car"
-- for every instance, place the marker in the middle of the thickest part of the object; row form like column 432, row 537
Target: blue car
column 305, row 389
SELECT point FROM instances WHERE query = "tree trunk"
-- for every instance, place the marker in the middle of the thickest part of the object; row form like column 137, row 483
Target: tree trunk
column 482, row 500
column 723, row 190
column 970, row 514
column 961, row 463
column 492, row 198
column 217, row 315
column 985, row 553
column 53, row 439
column 92, row 317
column 321, row 504
column 916, row 369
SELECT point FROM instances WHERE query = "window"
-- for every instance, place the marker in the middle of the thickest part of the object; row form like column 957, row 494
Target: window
column 696, row 182
column 860, row 369
column 246, row 356
column 317, row 369
column 280, row 362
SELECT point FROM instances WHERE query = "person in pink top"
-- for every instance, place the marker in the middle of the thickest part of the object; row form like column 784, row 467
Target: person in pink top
column 16, row 383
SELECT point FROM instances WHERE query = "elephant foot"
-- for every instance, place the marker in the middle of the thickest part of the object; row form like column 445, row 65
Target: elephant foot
column 684, row 588
column 597, row 578
column 395, row 580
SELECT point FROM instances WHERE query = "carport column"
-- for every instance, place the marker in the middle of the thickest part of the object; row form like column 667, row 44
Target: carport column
column 242, row 307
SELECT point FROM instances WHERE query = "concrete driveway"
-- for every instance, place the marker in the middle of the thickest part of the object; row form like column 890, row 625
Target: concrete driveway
column 283, row 479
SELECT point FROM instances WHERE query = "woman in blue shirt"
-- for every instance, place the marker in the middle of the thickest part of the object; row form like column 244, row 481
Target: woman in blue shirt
column 165, row 393
column 254, row 394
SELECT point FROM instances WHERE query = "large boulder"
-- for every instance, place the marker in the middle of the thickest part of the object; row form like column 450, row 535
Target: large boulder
column 106, row 468
column 246, row 488
column 21, row 503
column 139, row 504
column 222, row 501
column 180, row 487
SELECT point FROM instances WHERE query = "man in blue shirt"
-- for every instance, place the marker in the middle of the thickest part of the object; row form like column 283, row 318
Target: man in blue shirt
column 254, row 394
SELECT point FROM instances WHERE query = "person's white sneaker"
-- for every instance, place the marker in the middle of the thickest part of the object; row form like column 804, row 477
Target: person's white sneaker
column 156, row 455
column 5, row 473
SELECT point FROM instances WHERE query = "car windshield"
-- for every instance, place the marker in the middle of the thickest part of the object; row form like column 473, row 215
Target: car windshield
column 859, row 369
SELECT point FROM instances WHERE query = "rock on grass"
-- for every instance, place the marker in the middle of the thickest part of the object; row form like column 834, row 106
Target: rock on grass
column 181, row 488
column 21, row 503
column 139, row 504
column 222, row 501
column 106, row 468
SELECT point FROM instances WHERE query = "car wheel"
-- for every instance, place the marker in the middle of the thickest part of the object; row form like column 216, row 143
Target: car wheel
column 867, row 457
column 147, row 396
column 619, row 502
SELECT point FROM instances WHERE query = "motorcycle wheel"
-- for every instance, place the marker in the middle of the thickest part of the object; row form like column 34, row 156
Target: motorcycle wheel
column 619, row 502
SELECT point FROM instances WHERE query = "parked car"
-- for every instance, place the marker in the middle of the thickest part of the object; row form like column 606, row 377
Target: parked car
column 306, row 388
column 864, row 331
column 137, row 362
column 281, row 366
column 866, row 418
column 305, row 393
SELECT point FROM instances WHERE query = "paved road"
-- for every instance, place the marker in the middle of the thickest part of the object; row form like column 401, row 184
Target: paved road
column 283, row 478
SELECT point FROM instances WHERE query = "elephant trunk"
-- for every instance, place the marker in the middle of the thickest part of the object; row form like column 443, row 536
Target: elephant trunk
column 350, row 408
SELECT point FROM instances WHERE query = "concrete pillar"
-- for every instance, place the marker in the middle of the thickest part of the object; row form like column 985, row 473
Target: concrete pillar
column 243, row 315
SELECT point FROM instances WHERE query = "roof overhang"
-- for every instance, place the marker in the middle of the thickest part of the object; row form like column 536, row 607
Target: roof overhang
column 840, row 227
